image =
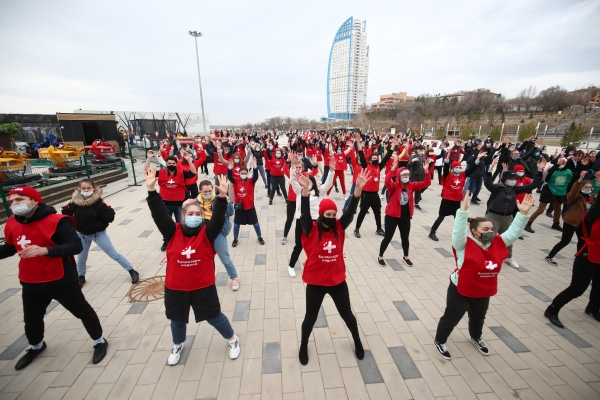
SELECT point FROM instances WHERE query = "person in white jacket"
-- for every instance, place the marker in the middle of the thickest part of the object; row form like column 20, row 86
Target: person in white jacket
column 439, row 162
column 316, row 194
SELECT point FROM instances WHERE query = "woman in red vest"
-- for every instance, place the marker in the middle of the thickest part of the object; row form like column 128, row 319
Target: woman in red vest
column 479, row 255
column 190, row 276
column 586, row 269
column 245, row 211
column 278, row 165
column 324, row 270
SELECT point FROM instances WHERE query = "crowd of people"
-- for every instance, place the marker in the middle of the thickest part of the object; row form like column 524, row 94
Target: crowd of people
column 301, row 169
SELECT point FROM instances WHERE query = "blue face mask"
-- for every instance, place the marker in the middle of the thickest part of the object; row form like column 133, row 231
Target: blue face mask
column 207, row 196
column 586, row 191
column 20, row 209
column 511, row 182
column 193, row 221
column 404, row 180
column 537, row 154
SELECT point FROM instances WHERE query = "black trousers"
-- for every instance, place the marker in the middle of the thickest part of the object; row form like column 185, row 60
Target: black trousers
column 418, row 196
column 325, row 173
column 369, row 200
column 71, row 298
column 204, row 167
column 291, row 210
column 314, row 298
column 456, row 307
column 277, row 183
column 297, row 246
column 584, row 272
column 567, row 235
column 192, row 191
column 437, row 223
column 403, row 224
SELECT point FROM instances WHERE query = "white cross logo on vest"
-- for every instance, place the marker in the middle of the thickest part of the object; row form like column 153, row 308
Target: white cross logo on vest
column 188, row 252
column 490, row 265
column 242, row 189
column 23, row 242
column 329, row 246
column 170, row 181
column 456, row 181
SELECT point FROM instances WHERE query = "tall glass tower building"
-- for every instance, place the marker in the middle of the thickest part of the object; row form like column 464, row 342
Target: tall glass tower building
column 348, row 71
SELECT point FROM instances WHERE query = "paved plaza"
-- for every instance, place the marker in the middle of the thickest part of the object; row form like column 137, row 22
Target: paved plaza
column 397, row 307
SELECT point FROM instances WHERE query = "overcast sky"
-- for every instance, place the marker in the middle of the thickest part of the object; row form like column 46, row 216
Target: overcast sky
column 262, row 59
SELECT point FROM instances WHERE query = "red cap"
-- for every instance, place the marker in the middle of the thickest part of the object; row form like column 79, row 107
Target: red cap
column 27, row 191
column 327, row 204
column 519, row 168
column 455, row 164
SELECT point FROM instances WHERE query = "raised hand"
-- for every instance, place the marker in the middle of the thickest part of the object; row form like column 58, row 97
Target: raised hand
column 313, row 159
column 525, row 205
column 466, row 203
column 541, row 164
column 426, row 164
column 150, row 153
column 494, row 163
column 504, row 166
column 362, row 179
column 481, row 155
column 223, row 186
column 332, row 163
column 188, row 202
column 303, row 180
column 293, row 158
column 582, row 175
column 151, row 178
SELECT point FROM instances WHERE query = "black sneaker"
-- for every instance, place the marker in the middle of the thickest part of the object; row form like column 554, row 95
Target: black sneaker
column 271, row 202
column 356, row 234
column 443, row 350
column 418, row 207
column 260, row 240
column 475, row 202
column 593, row 311
column 549, row 214
column 336, row 190
column 407, row 261
column 234, row 243
column 163, row 247
column 135, row 276
column 29, row 357
column 279, row 194
column 551, row 260
column 81, row 279
column 433, row 237
column 380, row 232
column 303, row 354
column 99, row 352
column 556, row 226
column 521, row 238
column 528, row 228
column 381, row 262
column 480, row 345
column 552, row 315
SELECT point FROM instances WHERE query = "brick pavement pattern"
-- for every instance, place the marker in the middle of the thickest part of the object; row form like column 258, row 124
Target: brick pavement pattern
column 397, row 308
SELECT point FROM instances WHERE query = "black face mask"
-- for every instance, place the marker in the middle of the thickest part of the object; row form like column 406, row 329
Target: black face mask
column 375, row 162
column 330, row 222
column 172, row 168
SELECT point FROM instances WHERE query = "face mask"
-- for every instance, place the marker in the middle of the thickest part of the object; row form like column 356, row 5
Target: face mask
column 487, row 237
column 511, row 182
column 193, row 221
column 172, row 168
column 404, row 180
column 570, row 153
column 270, row 147
column 237, row 160
column 339, row 152
column 375, row 162
column 243, row 177
column 431, row 153
column 330, row 222
column 561, row 166
column 220, row 151
column 457, row 171
column 537, row 154
column 207, row 196
column 278, row 155
column 545, row 151
column 420, row 153
column 520, row 174
column 87, row 194
column 586, row 191
column 511, row 149
column 20, row 209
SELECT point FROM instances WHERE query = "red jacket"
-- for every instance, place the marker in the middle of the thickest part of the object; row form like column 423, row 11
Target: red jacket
column 393, row 208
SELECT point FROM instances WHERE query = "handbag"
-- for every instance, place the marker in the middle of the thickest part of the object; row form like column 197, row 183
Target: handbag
column 238, row 206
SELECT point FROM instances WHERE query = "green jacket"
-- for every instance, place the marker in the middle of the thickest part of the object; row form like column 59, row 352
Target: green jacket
column 559, row 181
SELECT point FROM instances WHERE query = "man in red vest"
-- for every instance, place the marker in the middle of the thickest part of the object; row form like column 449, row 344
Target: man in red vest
column 46, row 243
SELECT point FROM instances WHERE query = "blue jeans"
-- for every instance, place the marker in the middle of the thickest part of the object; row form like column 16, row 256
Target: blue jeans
column 236, row 230
column 220, row 323
column 177, row 210
column 350, row 197
column 220, row 246
column 103, row 241
column 325, row 173
column 261, row 171
column 475, row 186
column 466, row 187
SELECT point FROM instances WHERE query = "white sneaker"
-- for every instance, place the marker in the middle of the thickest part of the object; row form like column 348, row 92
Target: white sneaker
column 234, row 348
column 284, row 241
column 175, row 355
column 235, row 284
column 512, row 263
column 292, row 272
column 381, row 197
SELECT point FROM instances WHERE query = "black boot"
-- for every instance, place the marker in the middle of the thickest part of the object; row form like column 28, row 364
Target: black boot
column 358, row 349
column 528, row 228
column 433, row 237
column 552, row 314
column 594, row 311
column 29, row 357
column 81, row 280
column 99, row 352
column 557, row 226
column 135, row 276
column 303, row 354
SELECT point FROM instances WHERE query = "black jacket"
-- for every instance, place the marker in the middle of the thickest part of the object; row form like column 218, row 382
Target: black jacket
column 91, row 214
column 503, row 199
column 68, row 245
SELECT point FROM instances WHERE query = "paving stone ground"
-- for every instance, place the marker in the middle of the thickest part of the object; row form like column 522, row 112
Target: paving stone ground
column 397, row 307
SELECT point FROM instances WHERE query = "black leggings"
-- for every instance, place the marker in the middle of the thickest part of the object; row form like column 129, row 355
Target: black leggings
column 369, row 200
column 567, row 235
column 403, row 224
column 439, row 169
column 192, row 191
column 204, row 167
column 584, row 272
column 291, row 210
column 297, row 246
column 277, row 182
column 437, row 223
column 314, row 299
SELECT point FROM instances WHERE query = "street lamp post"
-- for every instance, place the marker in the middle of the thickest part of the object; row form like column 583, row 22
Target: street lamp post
column 196, row 35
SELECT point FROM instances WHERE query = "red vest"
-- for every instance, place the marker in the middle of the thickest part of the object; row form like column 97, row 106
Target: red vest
column 591, row 239
column 266, row 161
column 244, row 192
column 172, row 188
column 452, row 186
column 373, row 182
column 190, row 262
column 277, row 166
column 186, row 167
column 164, row 153
column 218, row 167
column 39, row 233
column 478, row 276
column 324, row 264
column 522, row 182
column 340, row 162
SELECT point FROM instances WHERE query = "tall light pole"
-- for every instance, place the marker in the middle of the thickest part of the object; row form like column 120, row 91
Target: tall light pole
column 196, row 35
